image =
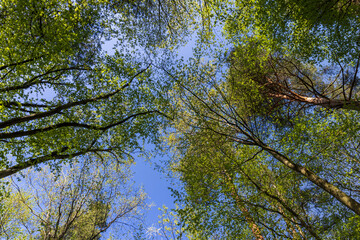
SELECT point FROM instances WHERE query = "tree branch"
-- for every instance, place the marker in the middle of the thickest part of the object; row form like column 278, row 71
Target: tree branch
column 58, row 109
column 70, row 124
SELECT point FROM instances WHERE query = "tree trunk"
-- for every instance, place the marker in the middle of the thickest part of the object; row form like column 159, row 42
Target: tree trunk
column 234, row 194
column 320, row 101
column 322, row 183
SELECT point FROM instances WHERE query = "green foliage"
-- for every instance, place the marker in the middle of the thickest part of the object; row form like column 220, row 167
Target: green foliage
column 265, row 135
column 314, row 30
column 62, row 94
column 169, row 226
column 249, row 144
column 231, row 183
column 13, row 215
column 85, row 200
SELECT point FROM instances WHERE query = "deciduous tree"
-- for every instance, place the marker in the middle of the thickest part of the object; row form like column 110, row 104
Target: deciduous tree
column 83, row 201
column 241, row 168
column 62, row 94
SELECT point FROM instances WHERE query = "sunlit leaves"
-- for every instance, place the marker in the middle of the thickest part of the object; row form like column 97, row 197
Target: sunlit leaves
column 62, row 94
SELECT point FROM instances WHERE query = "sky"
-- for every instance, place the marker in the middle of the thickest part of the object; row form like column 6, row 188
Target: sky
column 154, row 182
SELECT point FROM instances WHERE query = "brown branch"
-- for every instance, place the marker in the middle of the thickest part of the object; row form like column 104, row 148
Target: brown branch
column 19, row 63
column 249, row 219
column 319, row 101
column 8, row 104
column 58, row 109
column 283, row 203
column 342, row 197
column 307, row 85
column 354, row 79
column 34, row 161
column 278, row 199
column 32, row 81
column 70, row 124
column 343, row 80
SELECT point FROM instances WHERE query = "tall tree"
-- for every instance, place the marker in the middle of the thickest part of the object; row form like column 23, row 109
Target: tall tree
column 321, row 30
column 251, row 146
column 83, row 201
column 275, row 179
column 284, row 80
column 297, row 51
column 62, row 94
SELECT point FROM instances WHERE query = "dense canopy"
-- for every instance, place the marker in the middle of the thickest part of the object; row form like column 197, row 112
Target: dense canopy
column 262, row 120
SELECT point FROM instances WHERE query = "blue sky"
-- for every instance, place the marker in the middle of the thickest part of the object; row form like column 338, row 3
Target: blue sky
column 155, row 183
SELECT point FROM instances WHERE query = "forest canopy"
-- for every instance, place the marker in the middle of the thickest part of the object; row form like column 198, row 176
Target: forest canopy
column 260, row 125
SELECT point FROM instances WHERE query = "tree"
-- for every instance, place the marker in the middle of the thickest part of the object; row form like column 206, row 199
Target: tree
column 283, row 81
column 321, row 30
column 240, row 168
column 266, row 136
column 169, row 226
column 290, row 171
column 63, row 95
column 83, row 201
column 305, row 52
column 312, row 44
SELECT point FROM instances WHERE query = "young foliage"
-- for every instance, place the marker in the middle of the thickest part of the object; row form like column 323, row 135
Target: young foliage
column 62, row 94
column 246, row 174
column 83, row 201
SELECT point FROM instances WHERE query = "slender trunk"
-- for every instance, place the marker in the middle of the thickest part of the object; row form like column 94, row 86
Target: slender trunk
column 234, row 194
column 293, row 232
column 289, row 225
column 300, row 231
column 322, row 183
column 283, row 203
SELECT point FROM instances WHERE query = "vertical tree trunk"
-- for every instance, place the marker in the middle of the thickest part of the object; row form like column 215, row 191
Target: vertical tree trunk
column 342, row 197
column 234, row 194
